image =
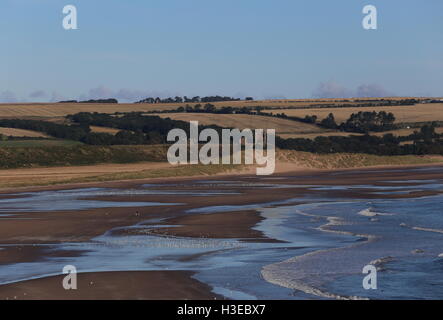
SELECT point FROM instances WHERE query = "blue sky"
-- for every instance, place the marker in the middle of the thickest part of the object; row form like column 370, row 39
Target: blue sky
column 261, row 48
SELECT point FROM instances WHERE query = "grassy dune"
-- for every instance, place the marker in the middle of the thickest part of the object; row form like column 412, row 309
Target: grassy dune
column 14, row 178
column 39, row 167
column 350, row 160
column 25, row 157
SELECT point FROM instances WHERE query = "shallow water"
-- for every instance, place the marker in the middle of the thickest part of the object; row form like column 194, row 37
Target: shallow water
column 393, row 234
column 66, row 200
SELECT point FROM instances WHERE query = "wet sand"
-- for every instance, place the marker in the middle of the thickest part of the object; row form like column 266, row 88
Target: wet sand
column 140, row 285
column 27, row 229
column 215, row 225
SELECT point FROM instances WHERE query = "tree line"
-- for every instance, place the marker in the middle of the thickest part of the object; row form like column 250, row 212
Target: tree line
column 185, row 99
column 135, row 128
column 425, row 141
column 362, row 122
column 111, row 100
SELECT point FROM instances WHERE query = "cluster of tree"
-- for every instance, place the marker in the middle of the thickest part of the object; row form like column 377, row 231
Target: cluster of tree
column 310, row 119
column 348, row 104
column 433, row 101
column 409, row 125
column 82, row 132
column 391, row 102
column 362, row 122
column 185, row 99
column 329, row 122
column 68, row 101
column 426, row 141
column 426, row 134
column 210, row 108
column 111, row 100
column 134, row 127
column 74, row 132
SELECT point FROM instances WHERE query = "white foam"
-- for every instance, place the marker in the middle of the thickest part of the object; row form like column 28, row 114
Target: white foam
column 369, row 213
column 428, row 229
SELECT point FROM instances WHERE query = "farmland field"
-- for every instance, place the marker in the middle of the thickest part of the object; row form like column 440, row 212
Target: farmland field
column 242, row 121
column 405, row 132
column 112, row 131
column 21, row 133
column 416, row 113
column 398, row 132
column 51, row 110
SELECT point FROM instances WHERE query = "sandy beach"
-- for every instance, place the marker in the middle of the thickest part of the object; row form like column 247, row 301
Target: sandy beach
column 30, row 237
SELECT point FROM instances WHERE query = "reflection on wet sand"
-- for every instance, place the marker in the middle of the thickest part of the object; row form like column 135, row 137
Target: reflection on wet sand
column 291, row 237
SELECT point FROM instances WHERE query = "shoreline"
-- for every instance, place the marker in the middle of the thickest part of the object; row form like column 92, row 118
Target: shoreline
column 241, row 172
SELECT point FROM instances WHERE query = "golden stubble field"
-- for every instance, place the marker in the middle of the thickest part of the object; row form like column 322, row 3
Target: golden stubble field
column 399, row 132
column 245, row 121
column 51, row 110
column 21, row 133
column 112, row 131
column 54, row 110
column 415, row 113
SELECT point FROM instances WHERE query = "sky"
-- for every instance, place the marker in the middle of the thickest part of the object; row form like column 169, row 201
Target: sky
column 262, row 48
